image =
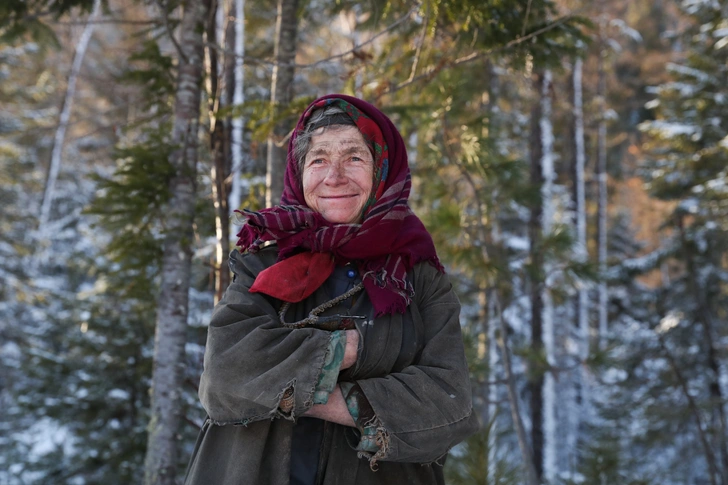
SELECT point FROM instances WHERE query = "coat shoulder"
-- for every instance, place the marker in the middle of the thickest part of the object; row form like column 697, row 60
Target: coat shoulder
column 251, row 264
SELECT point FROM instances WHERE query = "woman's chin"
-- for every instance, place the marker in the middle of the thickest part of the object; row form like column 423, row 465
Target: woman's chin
column 340, row 216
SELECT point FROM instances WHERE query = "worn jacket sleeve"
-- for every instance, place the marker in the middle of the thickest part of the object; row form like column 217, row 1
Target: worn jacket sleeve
column 425, row 409
column 251, row 362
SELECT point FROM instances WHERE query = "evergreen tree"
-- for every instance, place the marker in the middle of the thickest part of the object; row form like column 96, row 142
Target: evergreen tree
column 689, row 155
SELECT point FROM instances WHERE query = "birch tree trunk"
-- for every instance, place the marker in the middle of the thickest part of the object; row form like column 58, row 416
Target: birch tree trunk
column 238, row 99
column 281, row 95
column 60, row 135
column 169, row 340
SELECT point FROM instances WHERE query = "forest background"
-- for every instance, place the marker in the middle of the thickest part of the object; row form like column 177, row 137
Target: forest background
column 569, row 158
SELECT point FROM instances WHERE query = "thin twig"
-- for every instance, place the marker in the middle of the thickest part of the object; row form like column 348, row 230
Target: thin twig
column 525, row 20
column 420, row 44
column 191, row 422
column 107, row 21
column 163, row 8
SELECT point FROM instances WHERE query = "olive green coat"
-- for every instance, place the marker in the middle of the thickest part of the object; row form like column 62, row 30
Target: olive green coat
column 418, row 388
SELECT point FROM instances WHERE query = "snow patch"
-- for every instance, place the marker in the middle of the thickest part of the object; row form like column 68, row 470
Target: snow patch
column 625, row 29
column 670, row 321
column 119, row 394
column 668, row 129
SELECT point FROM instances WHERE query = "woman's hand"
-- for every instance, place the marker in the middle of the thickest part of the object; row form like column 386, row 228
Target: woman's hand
column 352, row 349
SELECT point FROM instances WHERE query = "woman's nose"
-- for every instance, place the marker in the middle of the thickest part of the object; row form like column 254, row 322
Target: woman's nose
column 336, row 173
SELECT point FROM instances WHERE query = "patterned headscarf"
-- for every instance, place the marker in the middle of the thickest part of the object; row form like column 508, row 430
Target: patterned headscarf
column 390, row 240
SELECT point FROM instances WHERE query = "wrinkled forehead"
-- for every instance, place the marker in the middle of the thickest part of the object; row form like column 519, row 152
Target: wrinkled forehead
column 337, row 139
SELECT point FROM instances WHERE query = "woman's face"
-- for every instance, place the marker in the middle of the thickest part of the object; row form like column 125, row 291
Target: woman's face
column 337, row 174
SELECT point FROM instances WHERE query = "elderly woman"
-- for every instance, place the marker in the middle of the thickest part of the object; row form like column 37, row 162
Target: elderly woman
column 335, row 356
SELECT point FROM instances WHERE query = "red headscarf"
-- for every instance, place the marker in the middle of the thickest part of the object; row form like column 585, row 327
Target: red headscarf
column 390, row 240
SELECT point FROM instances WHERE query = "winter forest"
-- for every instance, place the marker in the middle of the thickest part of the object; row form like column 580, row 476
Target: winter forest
column 570, row 159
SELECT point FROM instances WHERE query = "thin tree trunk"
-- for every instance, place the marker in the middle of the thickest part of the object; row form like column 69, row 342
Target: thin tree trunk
column 490, row 332
column 580, row 163
column 582, row 303
column 547, row 218
column 219, row 170
column 492, row 350
column 536, row 381
column 483, row 387
column 526, row 453
column 238, row 99
column 281, row 96
column 60, row 136
column 602, row 204
column 172, row 309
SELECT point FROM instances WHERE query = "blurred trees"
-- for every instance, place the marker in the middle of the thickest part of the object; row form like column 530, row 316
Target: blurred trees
column 594, row 300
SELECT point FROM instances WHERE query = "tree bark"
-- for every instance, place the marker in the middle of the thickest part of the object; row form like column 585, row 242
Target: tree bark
column 281, row 95
column 172, row 309
column 64, row 119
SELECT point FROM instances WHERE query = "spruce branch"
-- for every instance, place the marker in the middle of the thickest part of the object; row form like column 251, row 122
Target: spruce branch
column 432, row 71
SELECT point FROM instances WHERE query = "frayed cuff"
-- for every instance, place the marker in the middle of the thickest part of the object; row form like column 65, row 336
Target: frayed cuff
column 373, row 441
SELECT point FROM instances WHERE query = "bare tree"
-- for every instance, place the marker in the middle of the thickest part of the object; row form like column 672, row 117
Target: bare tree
column 281, row 94
column 172, row 308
